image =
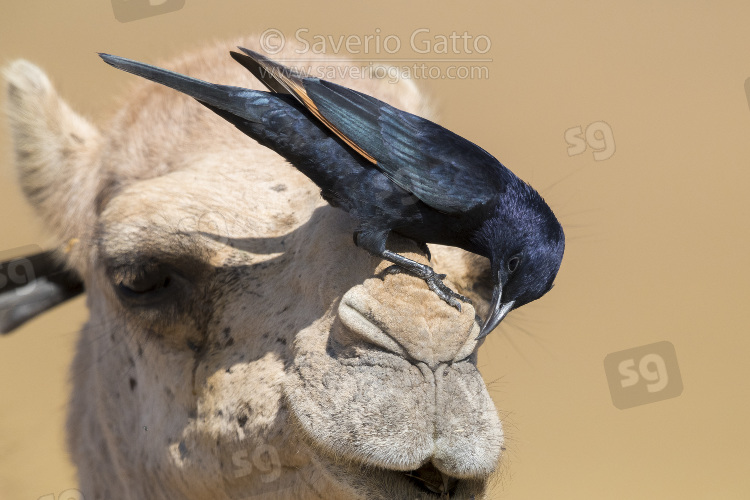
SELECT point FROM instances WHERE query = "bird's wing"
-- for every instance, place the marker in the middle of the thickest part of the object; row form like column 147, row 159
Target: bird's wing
column 444, row 170
column 284, row 80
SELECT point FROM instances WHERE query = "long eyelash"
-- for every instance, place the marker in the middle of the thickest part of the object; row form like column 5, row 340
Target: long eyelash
column 138, row 269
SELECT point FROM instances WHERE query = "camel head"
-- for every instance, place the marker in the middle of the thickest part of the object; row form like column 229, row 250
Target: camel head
column 239, row 345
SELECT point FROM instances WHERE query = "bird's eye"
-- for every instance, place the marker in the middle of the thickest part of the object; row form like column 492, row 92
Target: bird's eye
column 513, row 263
column 146, row 287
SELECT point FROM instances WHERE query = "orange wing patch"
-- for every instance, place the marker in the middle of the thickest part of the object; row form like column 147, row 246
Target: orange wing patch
column 296, row 86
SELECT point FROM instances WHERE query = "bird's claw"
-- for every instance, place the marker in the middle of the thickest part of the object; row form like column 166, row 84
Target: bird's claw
column 434, row 282
column 426, row 250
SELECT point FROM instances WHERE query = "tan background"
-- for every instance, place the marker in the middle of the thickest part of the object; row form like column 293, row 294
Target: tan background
column 657, row 234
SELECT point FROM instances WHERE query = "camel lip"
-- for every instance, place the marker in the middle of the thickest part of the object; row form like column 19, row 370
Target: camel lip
column 428, row 483
column 424, row 483
column 378, row 482
column 431, row 480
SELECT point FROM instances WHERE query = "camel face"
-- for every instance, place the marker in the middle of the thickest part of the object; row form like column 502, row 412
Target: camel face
column 239, row 343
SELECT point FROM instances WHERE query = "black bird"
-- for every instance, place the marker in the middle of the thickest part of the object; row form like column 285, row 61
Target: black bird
column 392, row 171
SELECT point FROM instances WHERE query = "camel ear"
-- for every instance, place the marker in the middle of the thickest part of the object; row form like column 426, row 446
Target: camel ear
column 54, row 148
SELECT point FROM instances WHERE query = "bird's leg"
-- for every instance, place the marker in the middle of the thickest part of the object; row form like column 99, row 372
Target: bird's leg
column 374, row 242
column 433, row 280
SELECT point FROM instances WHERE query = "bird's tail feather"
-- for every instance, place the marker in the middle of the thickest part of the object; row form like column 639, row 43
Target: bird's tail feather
column 227, row 98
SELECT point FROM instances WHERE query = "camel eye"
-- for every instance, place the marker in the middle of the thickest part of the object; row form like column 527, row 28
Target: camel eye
column 513, row 263
column 147, row 286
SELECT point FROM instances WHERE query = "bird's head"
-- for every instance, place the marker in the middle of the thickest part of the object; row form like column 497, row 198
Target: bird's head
column 525, row 244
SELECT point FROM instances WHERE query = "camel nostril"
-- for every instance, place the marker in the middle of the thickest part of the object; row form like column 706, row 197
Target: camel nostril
column 363, row 327
column 430, row 479
column 411, row 329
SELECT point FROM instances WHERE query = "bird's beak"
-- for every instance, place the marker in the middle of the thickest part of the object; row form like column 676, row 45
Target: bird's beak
column 498, row 311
